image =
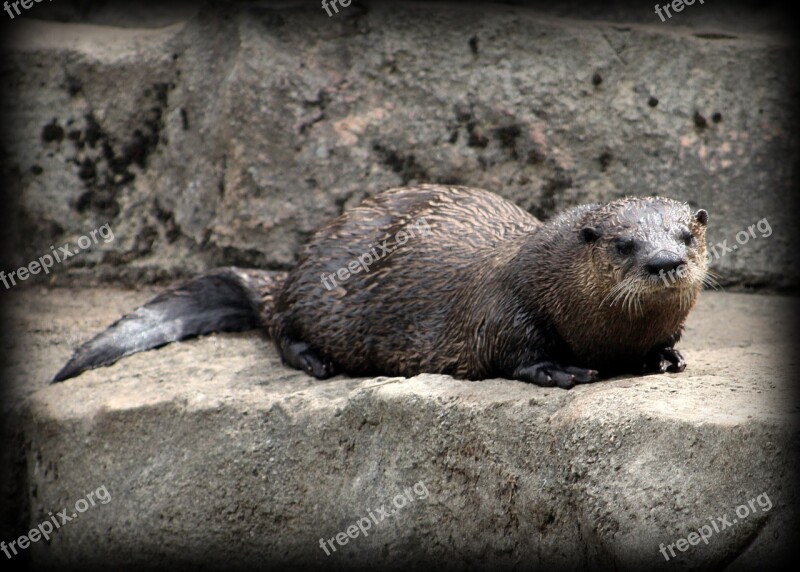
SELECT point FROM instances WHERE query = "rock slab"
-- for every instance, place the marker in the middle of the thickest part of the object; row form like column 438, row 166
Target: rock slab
column 213, row 454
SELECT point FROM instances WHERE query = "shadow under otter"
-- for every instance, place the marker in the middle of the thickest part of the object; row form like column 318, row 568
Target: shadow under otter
column 453, row 280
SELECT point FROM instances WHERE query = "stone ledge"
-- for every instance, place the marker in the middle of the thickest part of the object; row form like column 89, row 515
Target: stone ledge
column 215, row 454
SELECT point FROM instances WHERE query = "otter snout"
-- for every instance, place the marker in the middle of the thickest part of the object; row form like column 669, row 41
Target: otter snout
column 663, row 261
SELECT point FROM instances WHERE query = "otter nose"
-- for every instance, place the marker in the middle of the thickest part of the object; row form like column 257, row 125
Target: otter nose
column 663, row 261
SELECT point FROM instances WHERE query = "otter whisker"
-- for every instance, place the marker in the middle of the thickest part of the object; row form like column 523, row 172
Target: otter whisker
column 613, row 293
column 686, row 299
column 623, row 293
column 641, row 292
column 709, row 279
column 711, row 283
column 631, row 301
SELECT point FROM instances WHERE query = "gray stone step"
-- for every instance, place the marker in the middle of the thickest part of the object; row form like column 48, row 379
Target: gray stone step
column 212, row 452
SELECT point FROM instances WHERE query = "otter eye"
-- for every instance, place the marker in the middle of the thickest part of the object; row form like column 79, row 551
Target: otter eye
column 589, row 234
column 624, row 246
column 687, row 237
column 701, row 216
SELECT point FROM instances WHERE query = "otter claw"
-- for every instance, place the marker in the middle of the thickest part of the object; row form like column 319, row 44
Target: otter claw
column 313, row 366
column 300, row 356
column 663, row 360
column 549, row 374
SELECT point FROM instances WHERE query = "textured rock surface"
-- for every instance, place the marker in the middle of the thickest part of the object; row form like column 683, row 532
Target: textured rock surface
column 230, row 134
column 226, row 135
column 214, row 453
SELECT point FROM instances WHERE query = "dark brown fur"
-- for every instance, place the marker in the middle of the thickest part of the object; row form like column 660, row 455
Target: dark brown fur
column 489, row 290
column 479, row 289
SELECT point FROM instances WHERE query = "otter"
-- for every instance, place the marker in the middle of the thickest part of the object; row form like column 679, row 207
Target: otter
column 454, row 280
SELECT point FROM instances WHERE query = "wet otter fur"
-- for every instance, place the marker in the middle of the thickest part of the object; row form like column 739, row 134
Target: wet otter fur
column 459, row 281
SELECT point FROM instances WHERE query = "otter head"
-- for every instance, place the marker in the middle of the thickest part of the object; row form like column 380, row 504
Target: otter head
column 646, row 251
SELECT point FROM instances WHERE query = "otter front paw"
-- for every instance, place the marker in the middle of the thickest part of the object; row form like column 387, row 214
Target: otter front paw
column 299, row 355
column 661, row 360
column 549, row 374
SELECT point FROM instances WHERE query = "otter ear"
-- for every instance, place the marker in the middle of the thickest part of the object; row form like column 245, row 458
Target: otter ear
column 589, row 234
column 701, row 216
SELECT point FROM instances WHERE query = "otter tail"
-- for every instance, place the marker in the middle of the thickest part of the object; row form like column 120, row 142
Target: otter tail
column 223, row 300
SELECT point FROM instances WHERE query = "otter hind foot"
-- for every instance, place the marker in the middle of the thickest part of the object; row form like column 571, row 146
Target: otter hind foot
column 300, row 355
column 664, row 359
column 549, row 374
